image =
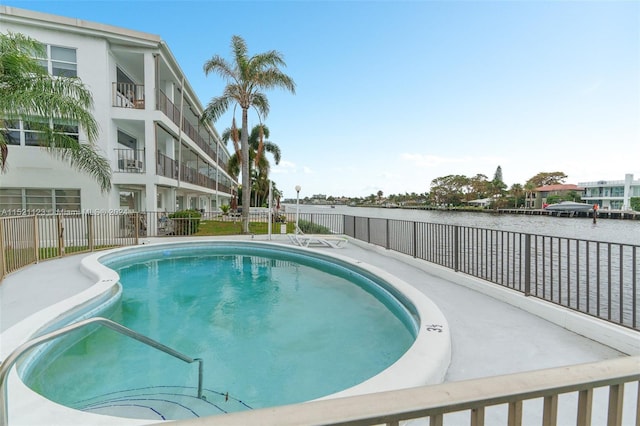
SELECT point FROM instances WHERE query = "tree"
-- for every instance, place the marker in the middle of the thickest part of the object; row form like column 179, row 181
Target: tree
column 257, row 147
column 547, row 178
column 246, row 77
column 449, row 189
column 517, row 192
column 51, row 105
column 259, row 165
column 380, row 194
column 478, row 187
column 497, row 177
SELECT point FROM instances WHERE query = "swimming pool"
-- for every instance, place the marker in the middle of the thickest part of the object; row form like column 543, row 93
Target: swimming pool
column 293, row 330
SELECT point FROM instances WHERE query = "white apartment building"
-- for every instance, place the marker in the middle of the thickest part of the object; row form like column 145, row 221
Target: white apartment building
column 611, row 194
column 162, row 157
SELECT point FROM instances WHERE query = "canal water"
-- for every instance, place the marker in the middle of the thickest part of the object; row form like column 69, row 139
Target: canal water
column 605, row 230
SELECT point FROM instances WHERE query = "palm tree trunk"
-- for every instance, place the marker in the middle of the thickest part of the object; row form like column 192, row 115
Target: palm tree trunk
column 246, row 179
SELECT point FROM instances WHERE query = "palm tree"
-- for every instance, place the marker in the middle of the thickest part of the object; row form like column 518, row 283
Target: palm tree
column 246, row 78
column 257, row 147
column 29, row 93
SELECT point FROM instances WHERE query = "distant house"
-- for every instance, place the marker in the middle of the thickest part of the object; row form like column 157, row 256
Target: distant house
column 544, row 192
column 612, row 194
column 482, row 202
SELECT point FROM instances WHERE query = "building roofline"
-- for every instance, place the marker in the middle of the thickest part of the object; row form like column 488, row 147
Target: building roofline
column 116, row 35
column 46, row 20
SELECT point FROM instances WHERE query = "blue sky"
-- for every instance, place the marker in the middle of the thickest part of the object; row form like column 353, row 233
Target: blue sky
column 391, row 95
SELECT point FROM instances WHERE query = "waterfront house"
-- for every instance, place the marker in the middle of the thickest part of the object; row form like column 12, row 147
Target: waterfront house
column 563, row 190
column 612, row 194
column 162, row 157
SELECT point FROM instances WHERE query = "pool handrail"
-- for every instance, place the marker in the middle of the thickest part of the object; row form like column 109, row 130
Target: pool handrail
column 5, row 366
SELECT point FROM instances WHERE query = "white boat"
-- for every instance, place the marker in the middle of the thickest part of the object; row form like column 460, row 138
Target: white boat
column 569, row 206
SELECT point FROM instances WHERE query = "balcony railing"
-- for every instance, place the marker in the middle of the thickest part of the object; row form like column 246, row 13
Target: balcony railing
column 130, row 160
column 173, row 113
column 168, row 167
column 128, row 95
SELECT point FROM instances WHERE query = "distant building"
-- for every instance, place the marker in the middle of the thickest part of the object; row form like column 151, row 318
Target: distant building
column 482, row 202
column 543, row 193
column 612, row 194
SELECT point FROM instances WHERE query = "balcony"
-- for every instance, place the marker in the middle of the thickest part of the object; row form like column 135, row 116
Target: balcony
column 168, row 167
column 128, row 95
column 130, row 160
column 192, row 131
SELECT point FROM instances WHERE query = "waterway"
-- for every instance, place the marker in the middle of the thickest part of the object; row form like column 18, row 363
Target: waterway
column 605, row 230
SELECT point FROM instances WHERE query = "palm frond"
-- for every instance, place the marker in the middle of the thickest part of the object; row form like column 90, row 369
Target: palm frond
column 216, row 107
column 82, row 156
column 260, row 102
column 274, row 150
column 30, row 94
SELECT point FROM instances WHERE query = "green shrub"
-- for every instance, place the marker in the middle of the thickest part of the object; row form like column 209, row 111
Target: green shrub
column 635, row 203
column 186, row 222
column 312, row 228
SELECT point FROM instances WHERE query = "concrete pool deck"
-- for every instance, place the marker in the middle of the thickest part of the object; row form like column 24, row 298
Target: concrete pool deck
column 489, row 337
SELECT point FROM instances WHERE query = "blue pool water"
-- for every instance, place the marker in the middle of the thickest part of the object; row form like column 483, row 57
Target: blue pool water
column 272, row 326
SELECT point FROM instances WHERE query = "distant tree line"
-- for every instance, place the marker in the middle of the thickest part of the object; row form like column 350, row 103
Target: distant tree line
column 458, row 190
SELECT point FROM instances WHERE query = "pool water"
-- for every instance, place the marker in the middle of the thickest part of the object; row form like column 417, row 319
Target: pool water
column 273, row 327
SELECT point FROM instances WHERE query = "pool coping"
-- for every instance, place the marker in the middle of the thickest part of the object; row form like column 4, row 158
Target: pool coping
column 431, row 349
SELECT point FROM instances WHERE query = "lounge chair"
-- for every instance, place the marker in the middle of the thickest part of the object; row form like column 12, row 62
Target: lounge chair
column 305, row 240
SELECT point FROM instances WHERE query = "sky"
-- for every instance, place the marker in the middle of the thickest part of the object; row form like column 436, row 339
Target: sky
column 393, row 94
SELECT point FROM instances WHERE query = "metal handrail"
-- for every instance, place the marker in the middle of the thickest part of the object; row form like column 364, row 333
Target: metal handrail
column 6, row 365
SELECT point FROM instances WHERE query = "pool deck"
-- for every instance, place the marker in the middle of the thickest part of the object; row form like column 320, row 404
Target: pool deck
column 488, row 336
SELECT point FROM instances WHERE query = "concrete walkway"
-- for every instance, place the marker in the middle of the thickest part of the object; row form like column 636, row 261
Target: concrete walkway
column 489, row 337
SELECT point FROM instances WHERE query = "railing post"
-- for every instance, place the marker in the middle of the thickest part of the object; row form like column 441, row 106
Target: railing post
column 136, row 226
column 369, row 230
column 415, row 239
column 36, row 248
column 90, row 234
column 527, row 264
column 3, row 263
column 456, row 248
column 60, row 235
column 387, row 244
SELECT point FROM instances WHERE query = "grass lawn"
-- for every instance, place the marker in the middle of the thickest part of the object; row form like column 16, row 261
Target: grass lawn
column 219, row 227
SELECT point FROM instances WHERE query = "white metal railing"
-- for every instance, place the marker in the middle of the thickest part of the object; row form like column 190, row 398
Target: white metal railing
column 470, row 396
column 5, row 366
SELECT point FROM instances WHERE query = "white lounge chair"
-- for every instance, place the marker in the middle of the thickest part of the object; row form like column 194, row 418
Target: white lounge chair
column 305, row 240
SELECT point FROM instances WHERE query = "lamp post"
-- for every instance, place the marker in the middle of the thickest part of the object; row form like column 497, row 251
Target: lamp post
column 297, row 206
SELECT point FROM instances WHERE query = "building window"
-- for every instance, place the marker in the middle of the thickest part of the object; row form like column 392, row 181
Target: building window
column 59, row 61
column 617, row 191
column 11, row 199
column 39, row 200
column 11, row 132
column 32, row 133
column 67, row 199
column 18, row 201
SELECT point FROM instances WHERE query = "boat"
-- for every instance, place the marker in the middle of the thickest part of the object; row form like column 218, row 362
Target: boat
column 569, row 206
